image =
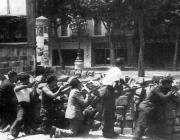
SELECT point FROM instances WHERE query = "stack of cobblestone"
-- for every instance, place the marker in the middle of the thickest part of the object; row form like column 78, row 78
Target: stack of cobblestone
column 171, row 127
column 124, row 114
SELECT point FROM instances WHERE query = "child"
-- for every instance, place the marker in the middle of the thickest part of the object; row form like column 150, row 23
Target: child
column 22, row 91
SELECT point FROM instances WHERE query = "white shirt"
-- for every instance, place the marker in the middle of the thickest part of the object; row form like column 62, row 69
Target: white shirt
column 23, row 95
column 112, row 75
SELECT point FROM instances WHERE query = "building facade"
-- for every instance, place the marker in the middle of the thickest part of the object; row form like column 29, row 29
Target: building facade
column 93, row 44
column 17, row 37
column 95, row 51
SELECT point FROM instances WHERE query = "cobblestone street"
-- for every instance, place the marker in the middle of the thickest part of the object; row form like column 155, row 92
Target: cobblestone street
column 92, row 135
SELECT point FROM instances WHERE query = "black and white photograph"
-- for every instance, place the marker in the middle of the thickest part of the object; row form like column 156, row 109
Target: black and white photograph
column 89, row 69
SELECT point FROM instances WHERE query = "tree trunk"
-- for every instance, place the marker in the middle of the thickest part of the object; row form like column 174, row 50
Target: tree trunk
column 141, row 72
column 59, row 46
column 176, row 51
column 112, row 49
column 111, row 46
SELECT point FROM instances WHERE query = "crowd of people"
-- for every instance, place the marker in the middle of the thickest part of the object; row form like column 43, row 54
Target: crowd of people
column 19, row 95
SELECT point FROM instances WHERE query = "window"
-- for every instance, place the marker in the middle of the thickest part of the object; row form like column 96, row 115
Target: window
column 69, row 56
column 64, row 31
column 97, row 27
column 13, row 29
column 101, row 53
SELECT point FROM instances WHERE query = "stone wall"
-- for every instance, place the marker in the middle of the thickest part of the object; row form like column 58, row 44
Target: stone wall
column 171, row 126
column 17, row 57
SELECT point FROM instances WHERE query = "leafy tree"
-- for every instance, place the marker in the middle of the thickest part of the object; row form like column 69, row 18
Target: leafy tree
column 171, row 16
column 111, row 13
column 141, row 11
column 125, row 14
column 60, row 12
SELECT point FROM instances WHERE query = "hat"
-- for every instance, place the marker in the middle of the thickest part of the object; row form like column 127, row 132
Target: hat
column 167, row 79
column 12, row 73
column 74, row 82
column 23, row 76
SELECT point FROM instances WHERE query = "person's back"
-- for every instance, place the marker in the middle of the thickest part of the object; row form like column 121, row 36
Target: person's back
column 6, row 90
column 46, row 101
column 149, row 109
column 74, row 112
column 22, row 90
column 153, row 100
column 74, row 108
column 112, row 75
column 8, row 101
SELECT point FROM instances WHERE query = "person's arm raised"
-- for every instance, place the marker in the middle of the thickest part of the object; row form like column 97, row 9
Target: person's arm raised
column 48, row 92
column 20, row 87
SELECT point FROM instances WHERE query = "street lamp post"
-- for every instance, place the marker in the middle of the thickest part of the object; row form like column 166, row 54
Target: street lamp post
column 78, row 25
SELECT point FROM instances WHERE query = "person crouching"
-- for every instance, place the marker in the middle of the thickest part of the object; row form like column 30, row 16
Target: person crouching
column 22, row 91
column 49, row 92
column 74, row 111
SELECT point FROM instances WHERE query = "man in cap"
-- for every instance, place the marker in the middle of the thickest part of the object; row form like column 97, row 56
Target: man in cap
column 148, row 108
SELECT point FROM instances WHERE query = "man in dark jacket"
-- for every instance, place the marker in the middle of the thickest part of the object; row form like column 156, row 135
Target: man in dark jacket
column 157, row 97
column 8, row 99
column 108, row 110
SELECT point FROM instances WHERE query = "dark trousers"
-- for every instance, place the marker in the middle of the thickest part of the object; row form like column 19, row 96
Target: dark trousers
column 141, row 124
column 108, row 111
column 149, row 118
column 23, row 117
column 7, row 117
column 7, row 112
column 49, row 117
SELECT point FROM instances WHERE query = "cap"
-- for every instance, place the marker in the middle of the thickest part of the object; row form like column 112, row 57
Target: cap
column 12, row 73
column 23, row 76
column 74, row 82
column 168, row 79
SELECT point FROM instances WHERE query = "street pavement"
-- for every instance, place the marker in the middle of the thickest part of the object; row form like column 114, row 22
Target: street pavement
column 91, row 136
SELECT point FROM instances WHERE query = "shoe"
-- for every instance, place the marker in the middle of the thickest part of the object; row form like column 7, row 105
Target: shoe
column 96, row 125
column 30, row 132
column 135, row 138
column 52, row 132
column 41, row 131
column 10, row 137
column 110, row 135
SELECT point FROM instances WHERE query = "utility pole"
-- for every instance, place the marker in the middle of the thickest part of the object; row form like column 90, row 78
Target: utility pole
column 8, row 8
column 31, row 18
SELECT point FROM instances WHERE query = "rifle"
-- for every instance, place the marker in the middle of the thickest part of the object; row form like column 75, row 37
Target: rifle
column 176, row 90
column 133, row 89
column 65, row 88
column 94, row 90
